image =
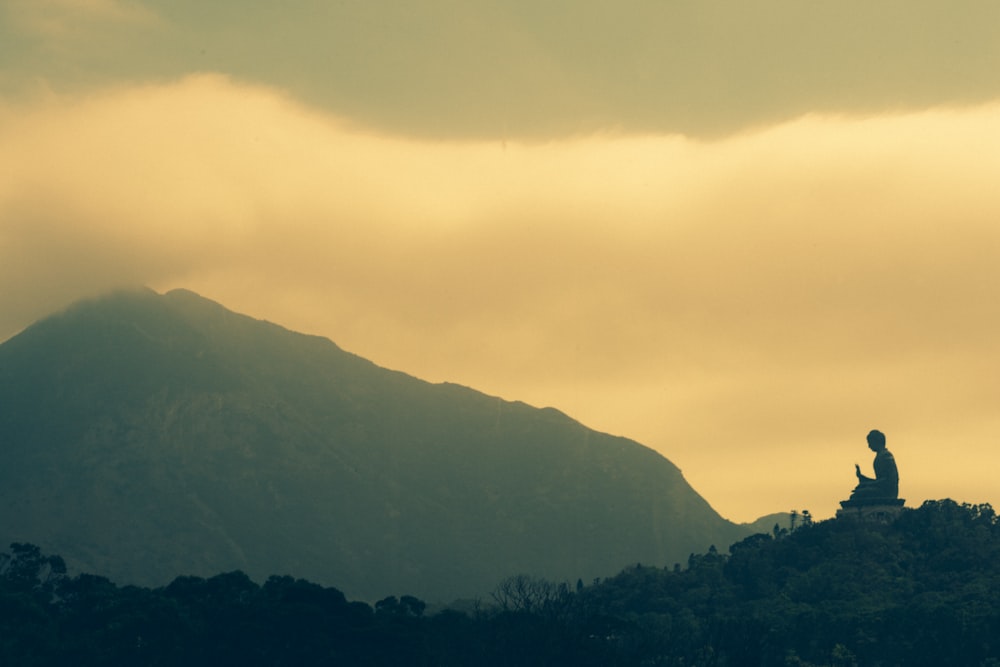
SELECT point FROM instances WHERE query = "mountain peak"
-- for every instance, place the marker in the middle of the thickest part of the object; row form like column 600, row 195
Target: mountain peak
column 195, row 304
column 147, row 436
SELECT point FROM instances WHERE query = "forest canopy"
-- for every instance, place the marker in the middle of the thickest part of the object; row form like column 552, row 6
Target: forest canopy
column 919, row 590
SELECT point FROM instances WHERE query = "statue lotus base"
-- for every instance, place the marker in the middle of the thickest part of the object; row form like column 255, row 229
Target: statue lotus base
column 879, row 511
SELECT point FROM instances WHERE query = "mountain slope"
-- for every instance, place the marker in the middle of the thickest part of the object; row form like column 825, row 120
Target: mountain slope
column 146, row 436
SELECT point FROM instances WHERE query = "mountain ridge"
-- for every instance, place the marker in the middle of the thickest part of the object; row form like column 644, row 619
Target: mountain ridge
column 155, row 435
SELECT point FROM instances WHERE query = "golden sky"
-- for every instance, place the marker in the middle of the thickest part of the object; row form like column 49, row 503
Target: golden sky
column 747, row 290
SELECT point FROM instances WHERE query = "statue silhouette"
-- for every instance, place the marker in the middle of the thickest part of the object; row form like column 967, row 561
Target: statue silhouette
column 883, row 489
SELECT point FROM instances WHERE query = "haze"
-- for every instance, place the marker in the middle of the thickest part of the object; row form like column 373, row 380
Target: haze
column 743, row 237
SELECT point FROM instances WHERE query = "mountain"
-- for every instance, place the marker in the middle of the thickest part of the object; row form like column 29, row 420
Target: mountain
column 146, row 436
column 767, row 523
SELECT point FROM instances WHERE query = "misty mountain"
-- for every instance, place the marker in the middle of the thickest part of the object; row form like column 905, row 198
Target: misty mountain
column 767, row 523
column 145, row 436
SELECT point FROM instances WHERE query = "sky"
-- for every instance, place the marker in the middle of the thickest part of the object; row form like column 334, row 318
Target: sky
column 740, row 233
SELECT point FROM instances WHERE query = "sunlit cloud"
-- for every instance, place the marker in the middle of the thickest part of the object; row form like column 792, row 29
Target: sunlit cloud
column 772, row 295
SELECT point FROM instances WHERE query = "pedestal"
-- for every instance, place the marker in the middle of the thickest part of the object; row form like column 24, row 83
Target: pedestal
column 882, row 512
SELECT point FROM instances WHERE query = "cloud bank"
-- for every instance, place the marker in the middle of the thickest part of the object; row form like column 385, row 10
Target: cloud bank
column 483, row 68
column 772, row 295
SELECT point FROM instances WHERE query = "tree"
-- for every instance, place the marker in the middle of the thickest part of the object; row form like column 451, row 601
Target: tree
column 25, row 568
column 524, row 593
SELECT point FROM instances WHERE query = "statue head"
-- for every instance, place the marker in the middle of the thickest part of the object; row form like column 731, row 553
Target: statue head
column 876, row 440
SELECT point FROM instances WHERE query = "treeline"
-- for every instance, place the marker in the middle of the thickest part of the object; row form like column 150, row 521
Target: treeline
column 921, row 590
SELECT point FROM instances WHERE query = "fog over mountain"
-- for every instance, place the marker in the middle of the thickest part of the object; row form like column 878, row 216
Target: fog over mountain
column 146, row 436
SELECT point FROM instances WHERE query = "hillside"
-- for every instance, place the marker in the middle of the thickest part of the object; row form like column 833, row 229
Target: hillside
column 147, row 436
column 919, row 590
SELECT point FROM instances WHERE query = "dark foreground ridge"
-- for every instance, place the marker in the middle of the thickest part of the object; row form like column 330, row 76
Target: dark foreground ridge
column 146, row 436
column 918, row 591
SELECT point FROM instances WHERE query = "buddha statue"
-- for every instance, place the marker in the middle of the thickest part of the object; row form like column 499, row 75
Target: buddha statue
column 883, row 489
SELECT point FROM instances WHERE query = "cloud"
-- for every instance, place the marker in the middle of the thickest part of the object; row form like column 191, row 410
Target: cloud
column 480, row 68
column 54, row 20
column 737, row 304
